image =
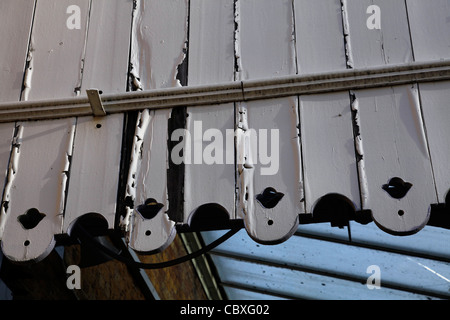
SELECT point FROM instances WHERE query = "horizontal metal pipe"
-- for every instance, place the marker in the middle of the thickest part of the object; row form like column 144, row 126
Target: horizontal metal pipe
column 238, row 91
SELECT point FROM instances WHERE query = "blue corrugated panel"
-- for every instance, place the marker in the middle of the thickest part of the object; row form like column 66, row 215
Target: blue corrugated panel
column 319, row 262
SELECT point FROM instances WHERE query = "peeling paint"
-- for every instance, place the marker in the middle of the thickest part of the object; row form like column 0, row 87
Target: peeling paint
column 244, row 163
column 158, row 49
column 180, row 77
column 158, row 59
column 181, row 70
column 345, row 24
column 237, row 47
column 356, row 125
column 294, row 38
column 28, row 73
column 134, row 79
column 362, row 172
column 363, row 186
column 148, row 180
column 265, row 54
column 12, row 170
column 65, row 175
column 40, row 169
column 77, row 89
column 143, row 122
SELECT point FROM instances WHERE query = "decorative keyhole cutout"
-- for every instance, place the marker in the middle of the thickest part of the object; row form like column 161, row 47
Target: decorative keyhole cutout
column 31, row 218
column 269, row 198
column 150, row 208
column 397, row 188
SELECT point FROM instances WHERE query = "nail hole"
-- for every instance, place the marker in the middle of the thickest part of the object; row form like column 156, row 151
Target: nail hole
column 270, row 222
column 98, row 126
column 401, row 212
column 26, row 243
column 148, row 232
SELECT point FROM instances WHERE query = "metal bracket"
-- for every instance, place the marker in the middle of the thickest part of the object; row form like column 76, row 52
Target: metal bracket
column 96, row 102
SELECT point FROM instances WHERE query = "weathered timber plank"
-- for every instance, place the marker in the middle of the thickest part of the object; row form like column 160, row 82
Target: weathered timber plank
column 430, row 27
column 158, row 50
column 17, row 18
column 98, row 141
column 36, row 186
column 40, row 158
column 210, row 171
column 329, row 160
column 267, row 50
column 391, row 141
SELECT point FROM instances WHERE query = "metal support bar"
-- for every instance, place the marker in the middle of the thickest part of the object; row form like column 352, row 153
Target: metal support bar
column 229, row 92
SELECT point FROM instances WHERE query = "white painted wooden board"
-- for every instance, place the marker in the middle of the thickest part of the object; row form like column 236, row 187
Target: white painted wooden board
column 6, row 138
column 56, row 52
column 392, row 137
column 430, row 27
column 435, row 99
column 37, row 180
column 329, row 161
column 16, row 17
column 394, row 144
column 40, row 164
column 94, row 171
column 319, row 36
column 151, row 176
column 98, row 141
column 267, row 50
column 210, row 170
column 211, row 46
column 429, row 24
column 375, row 47
column 212, row 179
column 159, row 38
column 108, row 46
column 148, row 179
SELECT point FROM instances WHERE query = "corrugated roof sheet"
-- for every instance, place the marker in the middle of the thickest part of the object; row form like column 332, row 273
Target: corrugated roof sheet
column 319, row 262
